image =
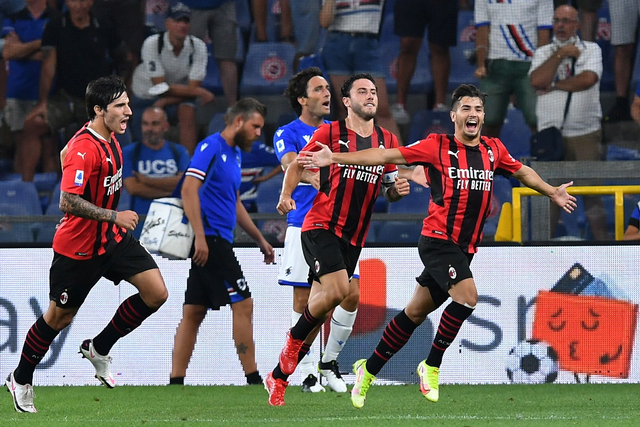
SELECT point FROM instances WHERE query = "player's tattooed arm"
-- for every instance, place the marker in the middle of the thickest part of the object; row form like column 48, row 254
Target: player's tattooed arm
column 75, row 205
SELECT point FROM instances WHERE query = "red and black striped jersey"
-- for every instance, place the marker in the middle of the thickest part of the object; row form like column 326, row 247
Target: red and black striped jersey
column 92, row 169
column 461, row 180
column 347, row 193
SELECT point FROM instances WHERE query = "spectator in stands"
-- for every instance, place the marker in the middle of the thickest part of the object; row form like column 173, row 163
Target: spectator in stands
column 127, row 17
column 624, row 28
column 173, row 67
column 152, row 167
column 571, row 67
column 588, row 15
column 351, row 48
column 7, row 7
column 77, row 48
column 633, row 229
column 22, row 35
column 260, row 9
column 411, row 18
column 254, row 163
column 217, row 19
column 507, row 35
column 306, row 27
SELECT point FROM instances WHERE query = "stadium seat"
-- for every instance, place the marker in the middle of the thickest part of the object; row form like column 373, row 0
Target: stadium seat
column 515, row 134
column 268, row 194
column 46, row 230
column 15, row 232
column 501, row 194
column 461, row 69
column 285, row 118
column 399, row 232
column 425, row 122
column 125, row 200
column 374, row 227
column 381, row 205
column 216, row 124
column 267, row 69
column 21, row 193
column 417, row 201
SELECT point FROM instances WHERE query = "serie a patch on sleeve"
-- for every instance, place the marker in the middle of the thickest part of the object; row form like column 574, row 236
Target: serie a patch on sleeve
column 79, row 179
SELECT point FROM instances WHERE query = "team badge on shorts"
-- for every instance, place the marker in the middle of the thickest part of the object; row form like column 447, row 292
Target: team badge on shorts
column 317, row 266
column 64, row 297
column 452, row 273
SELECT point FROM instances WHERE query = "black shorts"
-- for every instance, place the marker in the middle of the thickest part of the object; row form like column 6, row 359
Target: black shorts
column 326, row 253
column 411, row 17
column 445, row 264
column 71, row 280
column 220, row 281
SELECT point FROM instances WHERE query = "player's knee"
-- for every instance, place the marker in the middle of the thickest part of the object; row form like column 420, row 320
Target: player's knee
column 350, row 303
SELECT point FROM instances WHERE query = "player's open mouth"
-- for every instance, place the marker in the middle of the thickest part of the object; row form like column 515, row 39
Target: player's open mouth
column 472, row 125
column 326, row 104
column 123, row 123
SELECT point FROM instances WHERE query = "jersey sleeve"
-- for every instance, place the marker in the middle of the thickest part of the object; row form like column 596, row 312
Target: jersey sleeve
column 421, row 151
column 205, row 153
column 545, row 14
column 635, row 217
column 198, row 69
column 284, row 141
column 81, row 160
column 506, row 164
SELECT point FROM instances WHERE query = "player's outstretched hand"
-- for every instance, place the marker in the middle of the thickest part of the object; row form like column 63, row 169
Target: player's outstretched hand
column 402, row 186
column 563, row 199
column 315, row 159
column 285, row 205
column 127, row 219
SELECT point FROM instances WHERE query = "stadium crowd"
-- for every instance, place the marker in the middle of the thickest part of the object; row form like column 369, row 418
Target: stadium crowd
column 193, row 59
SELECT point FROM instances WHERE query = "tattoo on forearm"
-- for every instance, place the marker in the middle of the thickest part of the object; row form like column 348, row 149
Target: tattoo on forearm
column 241, row 348
column 75, row 205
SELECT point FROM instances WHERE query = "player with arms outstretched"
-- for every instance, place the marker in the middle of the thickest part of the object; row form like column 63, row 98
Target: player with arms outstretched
column 460, row 170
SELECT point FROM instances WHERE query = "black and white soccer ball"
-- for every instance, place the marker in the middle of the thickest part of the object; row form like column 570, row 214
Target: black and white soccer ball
column 532, row 362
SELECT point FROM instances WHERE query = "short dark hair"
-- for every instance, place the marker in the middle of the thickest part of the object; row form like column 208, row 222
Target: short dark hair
column 102, row 92
column 466, row 90
column 245, row 107
column 348, row 84
column 298, row 86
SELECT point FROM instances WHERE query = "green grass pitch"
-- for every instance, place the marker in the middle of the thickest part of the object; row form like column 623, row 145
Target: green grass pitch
column 459, row 405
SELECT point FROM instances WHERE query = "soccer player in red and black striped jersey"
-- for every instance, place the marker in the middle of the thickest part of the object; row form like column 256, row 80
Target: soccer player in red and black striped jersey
column 92, row 241
column 335, row 228
column 460, row 169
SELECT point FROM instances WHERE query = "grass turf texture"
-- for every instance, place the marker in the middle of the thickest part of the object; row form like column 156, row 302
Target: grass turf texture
column 459, row 405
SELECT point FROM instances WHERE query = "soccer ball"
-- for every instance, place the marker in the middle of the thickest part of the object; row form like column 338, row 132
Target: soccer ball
column 532, row 362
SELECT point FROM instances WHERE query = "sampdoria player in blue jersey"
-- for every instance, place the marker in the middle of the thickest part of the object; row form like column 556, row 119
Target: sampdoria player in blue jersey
column 211, row 202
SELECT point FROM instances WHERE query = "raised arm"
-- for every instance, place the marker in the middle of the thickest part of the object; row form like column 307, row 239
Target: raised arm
column 368, row 157
column 558, row 195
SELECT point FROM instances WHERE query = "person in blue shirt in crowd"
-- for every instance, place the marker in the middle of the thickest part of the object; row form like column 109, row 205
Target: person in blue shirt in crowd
column 22, row 41
column 152, row 167
column 254, row 164
column 210, row 194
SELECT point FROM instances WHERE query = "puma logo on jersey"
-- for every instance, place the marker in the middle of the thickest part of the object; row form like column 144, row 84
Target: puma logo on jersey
column 454, row 154
column 109, row 160
column 81, row 154
column 341, row 142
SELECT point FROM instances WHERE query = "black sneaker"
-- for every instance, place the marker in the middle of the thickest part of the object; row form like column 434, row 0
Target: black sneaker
column 311, row 385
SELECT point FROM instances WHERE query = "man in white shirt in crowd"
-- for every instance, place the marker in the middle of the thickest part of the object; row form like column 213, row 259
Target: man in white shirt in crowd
column 571, row 66
column 173, row 66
